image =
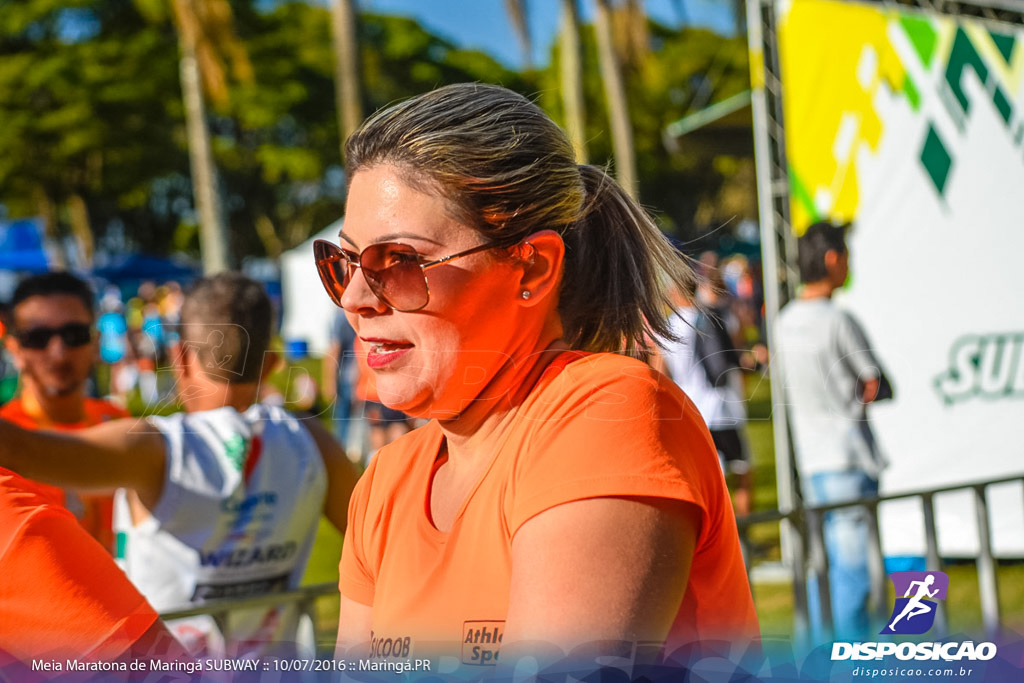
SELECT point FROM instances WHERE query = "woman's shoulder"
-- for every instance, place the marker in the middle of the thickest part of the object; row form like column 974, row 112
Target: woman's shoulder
column 586, row 365
column 606, row 425
column 578, row 373
column 579, row 390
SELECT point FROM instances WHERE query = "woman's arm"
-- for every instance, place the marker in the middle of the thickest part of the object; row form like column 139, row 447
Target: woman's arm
column 599, row 569
column 354, row 622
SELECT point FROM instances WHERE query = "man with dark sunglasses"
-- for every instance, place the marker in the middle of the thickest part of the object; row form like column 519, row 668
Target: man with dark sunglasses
column 51, row 340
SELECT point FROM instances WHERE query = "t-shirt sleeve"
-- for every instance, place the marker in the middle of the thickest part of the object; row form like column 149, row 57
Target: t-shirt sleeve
column 199, row 474
column 855, row 349
column 629, row 435
column 355, row 580
column 62, row 594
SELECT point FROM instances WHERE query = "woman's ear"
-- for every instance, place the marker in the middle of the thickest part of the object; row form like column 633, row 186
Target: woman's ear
column 541, row 257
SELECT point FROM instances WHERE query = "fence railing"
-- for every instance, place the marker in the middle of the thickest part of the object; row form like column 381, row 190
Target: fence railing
column 304, row 599
column 807, row 523
column 805, row 520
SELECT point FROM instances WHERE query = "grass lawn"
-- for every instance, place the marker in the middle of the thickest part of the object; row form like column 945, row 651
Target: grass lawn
column 963, row 609
column 323, row 568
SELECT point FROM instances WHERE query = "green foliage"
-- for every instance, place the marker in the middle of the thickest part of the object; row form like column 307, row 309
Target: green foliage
column 84, row 91
column 685, row 71
column 401, row 59
column 278, row 147
column 90, row 105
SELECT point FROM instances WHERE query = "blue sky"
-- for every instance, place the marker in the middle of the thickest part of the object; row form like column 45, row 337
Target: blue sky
column 484, row 24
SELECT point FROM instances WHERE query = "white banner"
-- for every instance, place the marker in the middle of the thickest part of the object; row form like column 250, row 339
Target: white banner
column 912, row 126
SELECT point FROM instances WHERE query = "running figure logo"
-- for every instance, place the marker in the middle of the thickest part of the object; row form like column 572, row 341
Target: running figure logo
column 914, row 613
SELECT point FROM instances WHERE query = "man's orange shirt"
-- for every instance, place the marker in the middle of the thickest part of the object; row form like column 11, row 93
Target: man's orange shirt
column 97, row 511
column 598, row 426
column 60, row 595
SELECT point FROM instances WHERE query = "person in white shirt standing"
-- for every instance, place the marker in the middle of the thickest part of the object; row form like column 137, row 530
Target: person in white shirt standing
column 706, row 366
column 831, row 375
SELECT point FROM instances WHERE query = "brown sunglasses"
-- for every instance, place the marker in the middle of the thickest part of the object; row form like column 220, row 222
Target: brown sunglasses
column 395, row 272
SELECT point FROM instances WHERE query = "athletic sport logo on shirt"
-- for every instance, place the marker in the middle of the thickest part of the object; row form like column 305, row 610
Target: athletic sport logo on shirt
column 481, row 642
column 914, row 612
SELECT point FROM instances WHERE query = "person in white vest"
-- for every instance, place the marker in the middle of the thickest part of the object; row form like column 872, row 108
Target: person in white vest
column 221, row 501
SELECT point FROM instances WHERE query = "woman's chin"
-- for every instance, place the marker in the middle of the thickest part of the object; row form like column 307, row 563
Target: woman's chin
column 406, row 399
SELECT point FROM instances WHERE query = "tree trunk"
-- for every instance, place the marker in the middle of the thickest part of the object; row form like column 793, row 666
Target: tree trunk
column 615, row 99
column 518, row 12
column 81, row 228
column 212, row 232
column 47, row 209
column 571, row 69
column 297, row 231
column 267, row 235
column 346, row 77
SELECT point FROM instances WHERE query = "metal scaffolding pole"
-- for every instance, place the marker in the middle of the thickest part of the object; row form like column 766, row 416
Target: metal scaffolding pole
column 779, row 253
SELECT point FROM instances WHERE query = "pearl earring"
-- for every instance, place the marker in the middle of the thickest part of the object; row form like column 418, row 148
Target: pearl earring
column 526, row 294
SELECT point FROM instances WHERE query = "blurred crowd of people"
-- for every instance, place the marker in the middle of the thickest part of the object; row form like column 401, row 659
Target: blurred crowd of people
column 136, row 335
column 138, row 330
column 719, row 339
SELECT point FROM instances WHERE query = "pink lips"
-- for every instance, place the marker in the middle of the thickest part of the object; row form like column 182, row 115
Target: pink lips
column 384, row 352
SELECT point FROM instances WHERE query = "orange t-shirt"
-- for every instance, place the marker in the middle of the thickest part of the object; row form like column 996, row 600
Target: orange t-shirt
column 595, row 426
column 97, row 513
column 60, row 595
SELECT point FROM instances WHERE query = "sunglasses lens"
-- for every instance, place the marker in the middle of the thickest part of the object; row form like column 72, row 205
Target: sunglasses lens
column 72, row 335
column 36, row 338
column 75, row 334
column 393, row 273
column 333, row 268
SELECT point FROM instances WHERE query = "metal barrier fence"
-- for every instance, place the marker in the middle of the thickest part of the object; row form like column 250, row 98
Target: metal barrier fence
column 809, row 533
column 304, row 598
column 810, row 558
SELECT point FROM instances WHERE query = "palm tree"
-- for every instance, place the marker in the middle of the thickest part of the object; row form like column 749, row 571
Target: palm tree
column 205, row 37
column 571, row 71
column 346, row 57
column 615, row 100
column 517, row 11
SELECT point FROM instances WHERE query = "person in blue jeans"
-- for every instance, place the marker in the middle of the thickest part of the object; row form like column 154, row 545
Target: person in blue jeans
column 830, row 377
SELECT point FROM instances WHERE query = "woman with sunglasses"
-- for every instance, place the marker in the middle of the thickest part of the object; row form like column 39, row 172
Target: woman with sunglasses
column 563, row 493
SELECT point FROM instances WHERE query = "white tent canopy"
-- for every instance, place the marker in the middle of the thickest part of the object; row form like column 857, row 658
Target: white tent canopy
column 308, row 312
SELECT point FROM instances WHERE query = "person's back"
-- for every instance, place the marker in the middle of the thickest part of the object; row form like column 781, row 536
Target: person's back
column 822, row 350
column 237, row 518
column 705, row 365
column 830, row 374
column 720, row 406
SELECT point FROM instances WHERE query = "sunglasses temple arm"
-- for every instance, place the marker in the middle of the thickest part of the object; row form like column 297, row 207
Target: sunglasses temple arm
column 468, row 252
